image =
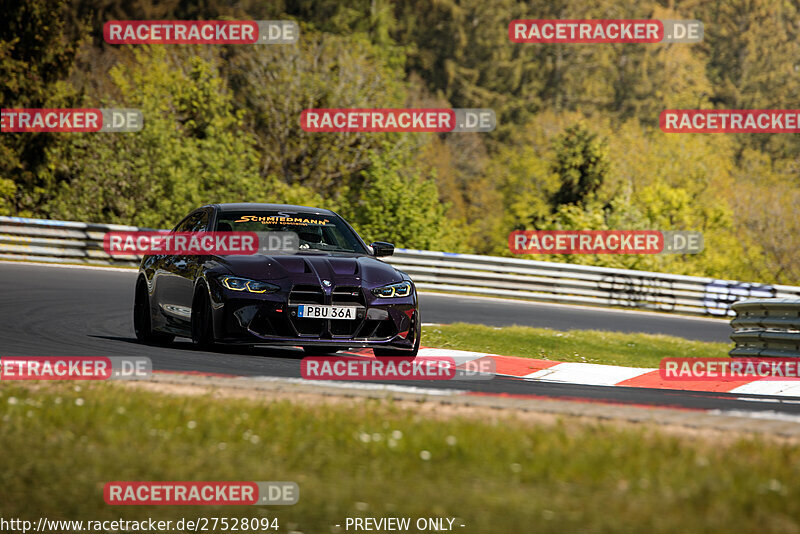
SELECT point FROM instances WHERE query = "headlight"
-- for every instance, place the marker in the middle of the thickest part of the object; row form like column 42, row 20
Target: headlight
column 403, row 289
column 234, row 283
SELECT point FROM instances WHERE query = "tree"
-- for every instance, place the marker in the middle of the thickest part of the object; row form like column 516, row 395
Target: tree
column 36, row 59
column 193, row 149
column 398, row 203
column 767, row 208
column 522, row 182
column 581, row 163
column 274, row 84
column 751, row 54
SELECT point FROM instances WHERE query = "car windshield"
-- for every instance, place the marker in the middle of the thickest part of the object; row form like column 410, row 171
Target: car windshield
column 327, row 233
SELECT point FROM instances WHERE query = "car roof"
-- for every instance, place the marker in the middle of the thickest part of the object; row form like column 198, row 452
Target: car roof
column 255, row 206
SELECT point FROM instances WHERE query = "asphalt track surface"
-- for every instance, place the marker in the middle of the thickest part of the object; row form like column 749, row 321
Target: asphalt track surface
column 438, row 308
column 57, row 311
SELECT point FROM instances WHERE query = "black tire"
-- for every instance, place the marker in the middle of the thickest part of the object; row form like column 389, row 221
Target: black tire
column 142, row 325
column 315, row 350
column 202, row 321
column 416, row 328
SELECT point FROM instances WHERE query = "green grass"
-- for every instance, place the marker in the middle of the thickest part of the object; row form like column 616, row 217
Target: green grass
column 591, row 346
column 60, row 444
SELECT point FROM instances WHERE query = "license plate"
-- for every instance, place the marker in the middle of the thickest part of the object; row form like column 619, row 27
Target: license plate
column 306, row 311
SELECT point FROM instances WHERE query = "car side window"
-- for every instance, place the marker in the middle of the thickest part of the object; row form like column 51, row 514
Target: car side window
column 196, row 222
column 200, row 222
column 185, row 224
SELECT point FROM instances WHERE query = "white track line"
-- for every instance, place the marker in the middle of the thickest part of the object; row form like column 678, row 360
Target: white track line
column 788, row 388
column 460, row 355
column 589, row 374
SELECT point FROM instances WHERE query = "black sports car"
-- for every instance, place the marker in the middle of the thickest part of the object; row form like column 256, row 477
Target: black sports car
column 331, row 294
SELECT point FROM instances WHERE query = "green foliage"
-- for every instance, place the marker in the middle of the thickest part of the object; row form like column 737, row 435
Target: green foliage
column 274, row 84
column 581, row 163
column 768, row 213
column 524, row 183
column 35, row 60
column 458, row 163
column 192, row 150
column 398, row 204
column 7, row 190
column 577, row 144
column 525, row 472
column 585, row 346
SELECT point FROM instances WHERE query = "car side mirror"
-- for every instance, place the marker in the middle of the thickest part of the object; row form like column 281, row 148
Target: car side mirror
column 380, row 248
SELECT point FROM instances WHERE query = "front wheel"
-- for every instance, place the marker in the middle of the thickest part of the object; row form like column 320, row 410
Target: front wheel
column 202, row 321
column 416, row 331
column 142, row 325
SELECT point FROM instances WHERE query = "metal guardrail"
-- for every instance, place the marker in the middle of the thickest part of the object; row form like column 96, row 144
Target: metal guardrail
column 59, row 241
column 77, row 242
column 580, row 284
column 767, row 328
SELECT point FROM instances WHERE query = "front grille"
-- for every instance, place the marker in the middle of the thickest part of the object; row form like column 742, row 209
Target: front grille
column 269, row 322
column 340, row 296
column 344, row 328
column 309, row 327
column 348, row 296
column 306, row 294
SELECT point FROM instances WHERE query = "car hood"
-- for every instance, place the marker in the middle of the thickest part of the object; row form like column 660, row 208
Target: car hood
column 372, row 272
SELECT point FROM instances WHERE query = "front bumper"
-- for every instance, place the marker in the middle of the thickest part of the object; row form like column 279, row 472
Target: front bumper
column 271, row 318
